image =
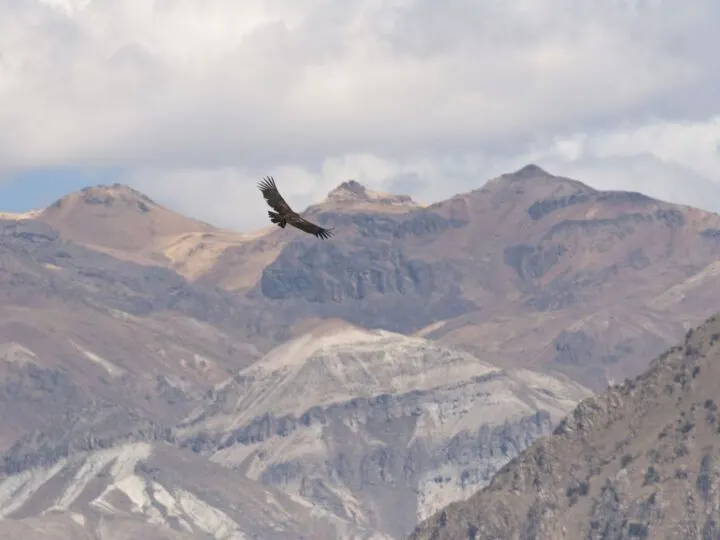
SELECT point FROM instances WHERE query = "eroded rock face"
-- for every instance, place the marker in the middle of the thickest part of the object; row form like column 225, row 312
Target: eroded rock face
column 637, row 461
column 79, row 326
column 352, row 192
column 526, row 247
column 143, row 490
column 124, row 323
column 396, row 427
column 371, row 430
column 375, row 285
column 539, row 252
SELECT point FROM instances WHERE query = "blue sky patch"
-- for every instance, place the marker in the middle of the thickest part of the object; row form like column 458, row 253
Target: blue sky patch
column 38, row 188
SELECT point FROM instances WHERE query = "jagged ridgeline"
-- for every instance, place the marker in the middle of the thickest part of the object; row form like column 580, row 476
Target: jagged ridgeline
column 636, row 461
column 164, row 378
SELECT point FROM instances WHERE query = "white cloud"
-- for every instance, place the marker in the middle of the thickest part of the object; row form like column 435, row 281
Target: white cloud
column 677, row 162
column 220, row 196
column 431, row 96
column 674, row 161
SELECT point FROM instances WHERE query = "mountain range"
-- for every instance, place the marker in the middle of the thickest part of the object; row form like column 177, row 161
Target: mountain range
column 166, row 378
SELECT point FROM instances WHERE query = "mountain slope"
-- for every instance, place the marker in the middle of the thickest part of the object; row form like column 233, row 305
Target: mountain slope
column 283, row 358
column 101, row 352
column 375, row 428
column 240, row 266
column 637, row 461
column 124, row 220
column 520, row 262
column 130, row 226
column 78, row 326
column 141, row 490
column 528, row 252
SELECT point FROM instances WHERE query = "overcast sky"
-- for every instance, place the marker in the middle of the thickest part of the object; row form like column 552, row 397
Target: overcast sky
column 193, row 101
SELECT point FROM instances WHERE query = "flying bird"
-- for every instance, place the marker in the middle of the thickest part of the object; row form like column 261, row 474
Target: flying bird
column 284, row 215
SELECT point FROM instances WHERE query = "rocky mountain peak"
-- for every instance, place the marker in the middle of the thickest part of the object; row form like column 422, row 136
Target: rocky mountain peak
column 534, row 175
column 349, row 188
column 530, row 171
column 244, row 386
column 536, row 184
column 353, row 191
column 113, row 196
column 117, row 218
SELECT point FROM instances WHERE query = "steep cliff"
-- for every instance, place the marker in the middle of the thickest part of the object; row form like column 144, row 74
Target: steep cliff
column 373, row 427
column 637, row 461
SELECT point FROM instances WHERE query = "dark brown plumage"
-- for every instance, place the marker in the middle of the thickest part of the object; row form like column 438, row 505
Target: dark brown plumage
column 284, row 215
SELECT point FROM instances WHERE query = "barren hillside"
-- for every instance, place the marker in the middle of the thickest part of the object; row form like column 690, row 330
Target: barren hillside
column 531, row 270
column 397, row 366
column 375, row 427
column 637, row 461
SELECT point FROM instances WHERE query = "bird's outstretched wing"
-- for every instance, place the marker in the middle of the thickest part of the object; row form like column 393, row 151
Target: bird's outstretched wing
column 273, row 197
column 309, row 227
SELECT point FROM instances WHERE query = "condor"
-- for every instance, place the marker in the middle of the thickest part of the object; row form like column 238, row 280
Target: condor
column 284, row 215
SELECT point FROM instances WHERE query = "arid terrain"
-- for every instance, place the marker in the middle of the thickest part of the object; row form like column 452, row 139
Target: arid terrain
column 164, row 378
column 636, row 461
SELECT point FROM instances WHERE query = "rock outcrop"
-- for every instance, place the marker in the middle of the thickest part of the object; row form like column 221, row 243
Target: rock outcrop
column 636, row 461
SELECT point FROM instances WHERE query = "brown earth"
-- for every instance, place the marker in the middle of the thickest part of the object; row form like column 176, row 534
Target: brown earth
column 531, row 270
column 121, row 319
column 637, row 461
